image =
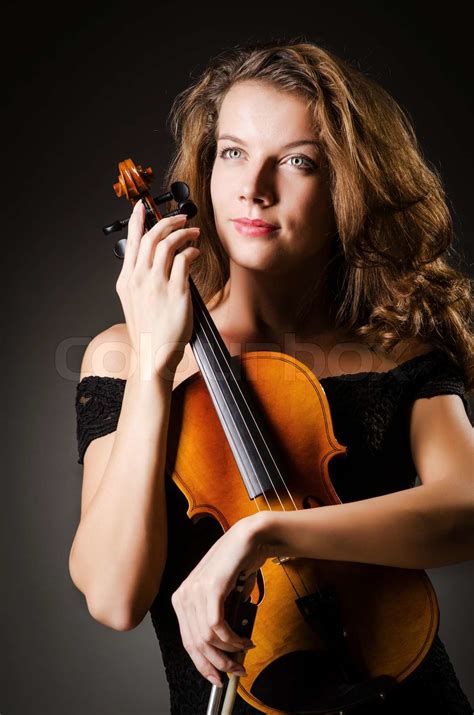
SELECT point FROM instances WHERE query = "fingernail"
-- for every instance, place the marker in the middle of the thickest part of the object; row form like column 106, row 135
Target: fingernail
column 239, row 671
column 215, row 681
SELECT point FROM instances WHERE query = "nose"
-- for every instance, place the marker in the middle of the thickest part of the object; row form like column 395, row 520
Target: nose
column 258, row 185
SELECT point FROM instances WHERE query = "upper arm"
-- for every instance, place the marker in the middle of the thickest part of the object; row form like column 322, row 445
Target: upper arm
column 442, row 441
column 110, row 354
column 107, row 355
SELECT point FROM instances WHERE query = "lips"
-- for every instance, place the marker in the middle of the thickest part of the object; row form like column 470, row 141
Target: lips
column 254, row 228
column 255, row 222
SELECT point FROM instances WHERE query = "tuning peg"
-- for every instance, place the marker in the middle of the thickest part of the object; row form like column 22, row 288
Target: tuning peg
column 119, row 249
column 179, row 192
column 116, row 226
column 121, row 223
column 186, row 207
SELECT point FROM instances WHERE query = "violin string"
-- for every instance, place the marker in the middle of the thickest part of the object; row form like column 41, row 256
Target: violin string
column 253, row 441
column 266, row 445
column 210, row 325
column 256, row 475
column 255, row 422
column 263, row 492
column 198, row 338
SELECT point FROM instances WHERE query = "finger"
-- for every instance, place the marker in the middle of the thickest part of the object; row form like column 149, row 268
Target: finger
column 206, row 668
column 223, row 631
column 179, row 275
column 134, row 234
column 207, row 633
column 216, row 657
column 191, row 642
column 148, row 243
column 249, row 585
column 203, row 665
column 171, row 246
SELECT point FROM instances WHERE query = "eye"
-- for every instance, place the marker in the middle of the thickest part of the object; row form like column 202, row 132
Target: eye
column 304, row 162
column 223, row 153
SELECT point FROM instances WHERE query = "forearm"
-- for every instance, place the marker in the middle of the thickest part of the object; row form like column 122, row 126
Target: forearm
column 119, row 550
column 424, row 527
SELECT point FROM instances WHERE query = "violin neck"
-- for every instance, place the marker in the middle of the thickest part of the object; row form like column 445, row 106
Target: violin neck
column 243, row 423
column 206, row 342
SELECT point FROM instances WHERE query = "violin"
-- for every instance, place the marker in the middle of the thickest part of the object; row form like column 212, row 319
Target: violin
column 254, row 432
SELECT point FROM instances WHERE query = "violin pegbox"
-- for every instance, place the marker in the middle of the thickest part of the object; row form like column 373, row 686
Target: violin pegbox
column 134, row 184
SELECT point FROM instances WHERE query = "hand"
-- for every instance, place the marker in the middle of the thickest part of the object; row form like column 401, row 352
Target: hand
column 153, row 288
column 199, row 601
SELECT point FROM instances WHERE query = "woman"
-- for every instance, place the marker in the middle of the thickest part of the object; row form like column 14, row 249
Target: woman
column 322, row 233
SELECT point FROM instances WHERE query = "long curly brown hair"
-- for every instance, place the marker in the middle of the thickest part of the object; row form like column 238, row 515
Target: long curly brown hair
column 388, row 276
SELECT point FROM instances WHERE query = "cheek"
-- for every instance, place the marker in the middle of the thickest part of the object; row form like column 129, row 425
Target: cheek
column 309, row 221
column 217, row 193
column 317, row 209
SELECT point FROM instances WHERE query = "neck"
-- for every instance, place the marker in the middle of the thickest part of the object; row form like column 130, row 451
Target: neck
column 265, row 307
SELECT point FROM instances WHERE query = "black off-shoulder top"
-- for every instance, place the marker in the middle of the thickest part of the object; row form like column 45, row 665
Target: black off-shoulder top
column 370, row 415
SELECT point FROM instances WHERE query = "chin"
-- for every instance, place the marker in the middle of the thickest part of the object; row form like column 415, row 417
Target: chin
column 253, row 254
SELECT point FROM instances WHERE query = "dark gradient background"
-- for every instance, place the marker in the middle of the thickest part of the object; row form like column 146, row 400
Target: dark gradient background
column 86, row 88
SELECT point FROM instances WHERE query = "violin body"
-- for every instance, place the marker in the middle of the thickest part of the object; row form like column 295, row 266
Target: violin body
column 386, row 617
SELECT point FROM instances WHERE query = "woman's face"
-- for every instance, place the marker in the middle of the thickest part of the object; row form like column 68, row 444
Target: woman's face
column 268, row 167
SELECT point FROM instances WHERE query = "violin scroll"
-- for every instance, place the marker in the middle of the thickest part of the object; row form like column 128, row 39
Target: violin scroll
column 133, row 180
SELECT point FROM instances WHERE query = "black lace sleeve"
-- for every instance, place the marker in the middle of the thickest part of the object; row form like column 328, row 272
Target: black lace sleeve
column 98, row 405
column 439, row 375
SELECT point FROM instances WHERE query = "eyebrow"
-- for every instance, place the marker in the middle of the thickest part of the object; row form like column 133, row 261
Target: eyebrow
column 291, row 145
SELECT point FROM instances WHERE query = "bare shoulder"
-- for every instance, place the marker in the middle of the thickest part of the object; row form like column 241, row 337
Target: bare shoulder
column 409, row 349
column 404, row 350
column 108, row 354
